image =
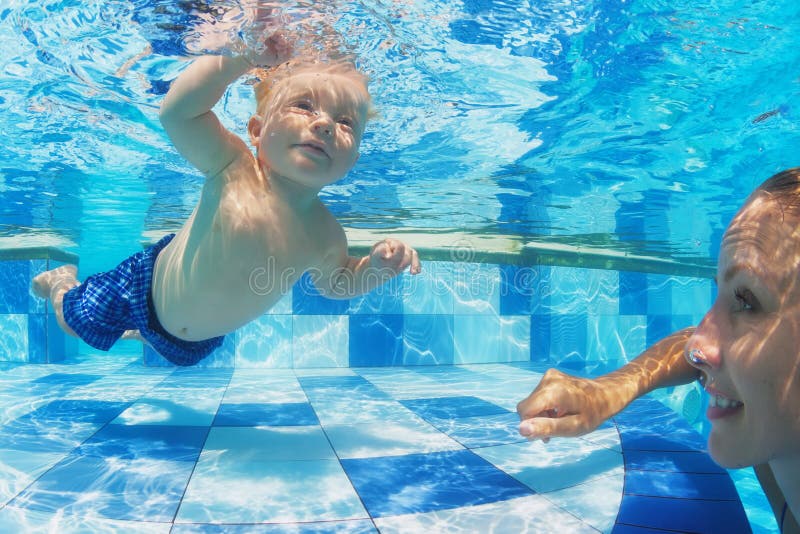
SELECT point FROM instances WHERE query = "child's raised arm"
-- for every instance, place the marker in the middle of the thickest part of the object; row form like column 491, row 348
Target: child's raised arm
column 186, row 110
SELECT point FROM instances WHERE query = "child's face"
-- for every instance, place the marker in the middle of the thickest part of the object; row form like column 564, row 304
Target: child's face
column 751, row 339
column 313, row 128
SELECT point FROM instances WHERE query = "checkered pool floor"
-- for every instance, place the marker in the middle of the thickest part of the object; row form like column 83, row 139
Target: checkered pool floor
column 109, row 445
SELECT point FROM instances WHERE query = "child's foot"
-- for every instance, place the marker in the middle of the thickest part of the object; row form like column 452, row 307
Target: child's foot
column 43, row 284
column 134, row 334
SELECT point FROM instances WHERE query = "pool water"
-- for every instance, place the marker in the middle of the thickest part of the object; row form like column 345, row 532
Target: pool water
column 583, row 157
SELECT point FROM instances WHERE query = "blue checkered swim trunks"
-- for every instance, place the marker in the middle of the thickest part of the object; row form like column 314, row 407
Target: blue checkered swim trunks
column 106, row 304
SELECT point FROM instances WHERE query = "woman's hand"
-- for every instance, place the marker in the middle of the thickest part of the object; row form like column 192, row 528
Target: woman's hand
column 563, row 405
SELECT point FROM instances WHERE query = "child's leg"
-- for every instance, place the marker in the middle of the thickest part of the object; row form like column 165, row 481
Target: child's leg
column 53, row 284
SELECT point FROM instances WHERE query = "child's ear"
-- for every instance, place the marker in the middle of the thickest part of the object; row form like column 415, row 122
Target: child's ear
column 254, row 128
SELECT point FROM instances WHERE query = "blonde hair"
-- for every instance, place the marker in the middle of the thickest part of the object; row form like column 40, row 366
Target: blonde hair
column 270, row 80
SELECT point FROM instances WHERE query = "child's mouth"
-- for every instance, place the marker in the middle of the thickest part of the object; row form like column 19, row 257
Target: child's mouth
column 314, row 149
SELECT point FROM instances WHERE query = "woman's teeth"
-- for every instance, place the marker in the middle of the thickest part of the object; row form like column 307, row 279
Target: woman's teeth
column 716, row 401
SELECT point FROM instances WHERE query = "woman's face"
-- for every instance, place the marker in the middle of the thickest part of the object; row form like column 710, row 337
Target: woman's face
column 750, row 339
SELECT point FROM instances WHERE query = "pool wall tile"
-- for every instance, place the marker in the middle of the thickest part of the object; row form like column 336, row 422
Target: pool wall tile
column 320, row 340
column 37, row 337
column 14, row 346
column 15, row 279
column 476, row 288
column 428, row 339
column 265, row 342
column 519, row 289
column 659, row 294
column 307, row 300
column 375, row 340
column 489, row 339
column 462, row 312
column 431, row 291
column 30, row 333
column 385, row 299
column 35, row 304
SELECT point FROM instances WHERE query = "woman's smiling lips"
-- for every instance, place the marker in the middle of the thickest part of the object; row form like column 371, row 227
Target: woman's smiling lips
column 720, row 405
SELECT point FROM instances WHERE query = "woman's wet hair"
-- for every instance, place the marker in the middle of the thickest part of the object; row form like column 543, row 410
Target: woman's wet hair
column 784, row 188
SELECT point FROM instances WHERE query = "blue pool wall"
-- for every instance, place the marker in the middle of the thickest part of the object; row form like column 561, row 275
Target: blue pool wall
column 452, row 313
column 29, row 332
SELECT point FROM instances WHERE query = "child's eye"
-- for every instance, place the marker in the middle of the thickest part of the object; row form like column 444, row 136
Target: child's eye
column 305, row 105
column 745, row 300
column 346, row 121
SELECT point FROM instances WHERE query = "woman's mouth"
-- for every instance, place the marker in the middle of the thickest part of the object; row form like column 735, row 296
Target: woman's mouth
column 720, row 406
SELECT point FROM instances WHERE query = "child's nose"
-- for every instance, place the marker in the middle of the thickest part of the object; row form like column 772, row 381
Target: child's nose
column 323, row 124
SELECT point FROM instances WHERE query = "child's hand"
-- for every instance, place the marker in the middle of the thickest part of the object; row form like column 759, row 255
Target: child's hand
column 395, row 255
column 276, row 49
column 260, row 35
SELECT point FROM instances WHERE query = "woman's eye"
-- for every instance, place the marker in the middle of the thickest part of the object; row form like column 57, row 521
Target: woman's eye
column 745, row 300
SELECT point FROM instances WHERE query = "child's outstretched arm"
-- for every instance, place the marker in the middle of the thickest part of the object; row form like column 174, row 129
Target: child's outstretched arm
column 186, row 110
column 355, row 276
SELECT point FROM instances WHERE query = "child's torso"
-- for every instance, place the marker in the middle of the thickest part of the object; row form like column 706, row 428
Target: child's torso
column 236, row 256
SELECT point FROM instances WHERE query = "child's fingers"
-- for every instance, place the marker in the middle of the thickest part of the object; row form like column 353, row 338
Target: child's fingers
column 395, row 250
column 416, row 267
column 411, row 260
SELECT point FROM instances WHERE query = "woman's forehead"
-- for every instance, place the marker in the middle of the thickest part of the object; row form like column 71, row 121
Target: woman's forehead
column 763, row 235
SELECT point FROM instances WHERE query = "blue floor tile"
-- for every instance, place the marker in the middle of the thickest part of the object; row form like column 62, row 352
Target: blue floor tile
column 681, row 461
column 69, row 380
column 123, row 489
column 44, row 437
column 268, row 444
column 384, row 438
column 630, row 529
column 646, row 440
column 197, row 377
column 187, row 411
column 452, row 407
column 251, row 414
column 130, row 442
column 78, row 411
column 481, row 431
column 683, row 515
column 235, row 489
column 420, row 483
column 356, row 386
column 359, row 526
column 680, row 485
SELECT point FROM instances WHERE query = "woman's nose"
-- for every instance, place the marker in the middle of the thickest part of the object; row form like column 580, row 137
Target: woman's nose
column 702, row 349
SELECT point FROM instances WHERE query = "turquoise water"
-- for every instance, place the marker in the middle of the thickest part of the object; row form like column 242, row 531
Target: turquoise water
column 632, row 127
column 636, row 126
